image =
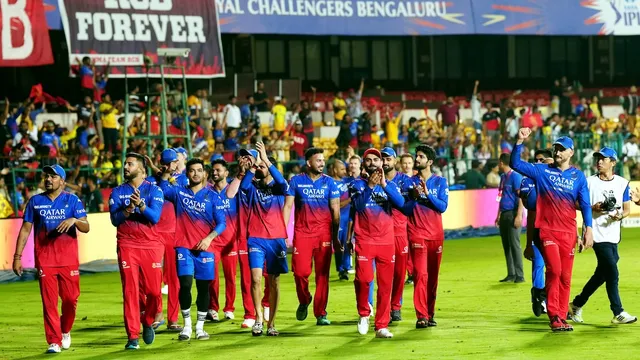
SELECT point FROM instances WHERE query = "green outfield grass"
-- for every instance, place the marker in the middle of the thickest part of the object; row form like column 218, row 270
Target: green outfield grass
column 478, row 317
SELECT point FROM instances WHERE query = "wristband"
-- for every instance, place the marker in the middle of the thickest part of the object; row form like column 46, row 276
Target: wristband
column 17, row 257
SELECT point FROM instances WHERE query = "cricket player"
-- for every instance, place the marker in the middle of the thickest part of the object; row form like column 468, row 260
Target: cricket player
column 266, row 232
column 429, row 198
column 317, row 223
column 182, row 160
column 167, row 229
column 610, row 202
column 407, row 163
column 135, row 208
column 372, row 201
column 355, row 167
column 225, row 248
column 389, row 160
column 199, row 222
column 57, row 216
column 343, row 258
column 528, row 200
column 559, row 187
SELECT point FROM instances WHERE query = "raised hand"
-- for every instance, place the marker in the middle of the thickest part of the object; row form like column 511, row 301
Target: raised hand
column 524, row 133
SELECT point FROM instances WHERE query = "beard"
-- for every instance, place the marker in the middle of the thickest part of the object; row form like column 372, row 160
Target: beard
column 316, row 171
column 260, row 175
column 371, row 169
column 387, row 169
column 132, row 175
column 419, row 166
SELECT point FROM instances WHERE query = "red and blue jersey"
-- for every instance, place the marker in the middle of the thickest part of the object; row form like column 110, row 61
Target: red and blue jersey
column 528, row 193
column 197, row 214
column 312, row 209
column 373, row 212
column 399, row 219
column 343, row 188
column 229, row 206
column 53, row 248
column 265, row 202
column 508, row 190
column 139, row 230
column 167, row 223
column 558, row 192
column 425, row 213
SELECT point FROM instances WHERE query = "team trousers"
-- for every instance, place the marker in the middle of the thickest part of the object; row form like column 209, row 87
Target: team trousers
column 170, row 278
column 307, row 250
column 558, row 250
column 245, row 282
column 62, row 282
column 426, row 256
column 228, row 255
column 399, row 271
column 383, row 255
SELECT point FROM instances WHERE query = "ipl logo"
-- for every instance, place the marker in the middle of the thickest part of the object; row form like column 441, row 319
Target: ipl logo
column 618, row 17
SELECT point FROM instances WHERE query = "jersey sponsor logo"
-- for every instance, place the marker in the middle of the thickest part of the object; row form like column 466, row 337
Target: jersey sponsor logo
column 208, row 259
column 405, row 250
column 75, row 273
column 548, row 243
column 232, row 253
column 439, row 251
column 254, row 249
column 124, row 265
column 416, row 246
column 265, row 194
column 243, row 252
column 226, row 204
column 379, row 198
column 561, row 182
column 362, row 258
column 53, row 214
column 393, row 258
column 156, row 265
column 305, row 186
column 181, row 257
column 111, row 202
column 192, row 204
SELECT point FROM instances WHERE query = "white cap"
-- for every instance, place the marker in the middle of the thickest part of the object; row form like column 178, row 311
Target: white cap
column 277, row 98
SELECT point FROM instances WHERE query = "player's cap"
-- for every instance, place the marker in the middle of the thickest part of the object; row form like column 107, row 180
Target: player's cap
column 388, row 152
column 564, row 141
column 216, row 156
column 181, row 150
column 372, row 151
column 168, row 156
column 607, row 152
column 251, row 152
column 55, row 170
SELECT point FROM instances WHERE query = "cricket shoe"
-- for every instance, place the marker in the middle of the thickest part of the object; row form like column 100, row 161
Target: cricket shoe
column 363, row 325
column 229, row 315
column 66, row 341
column 148, row 335
column 566, row 325
column 556, row 324
column 185, row 334
column 212, row 315
column 396, row 315
column 132, row 345
column 431, row 322
column 384, row 334
column 322, row 320
column 248, row 323
column 53, row 349
column 272, row 332
column 575, row 313
column 536, row 302
column 622, row 318
column 257, row 329
column 302, row 312
column 165, row 290
column 201, row 334
column 343, row 275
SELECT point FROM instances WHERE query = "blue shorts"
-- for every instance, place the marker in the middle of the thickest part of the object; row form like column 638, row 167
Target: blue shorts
column 199, row 264
column 273, row 251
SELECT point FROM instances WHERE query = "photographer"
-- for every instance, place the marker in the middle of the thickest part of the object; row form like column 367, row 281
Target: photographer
column 611, row 203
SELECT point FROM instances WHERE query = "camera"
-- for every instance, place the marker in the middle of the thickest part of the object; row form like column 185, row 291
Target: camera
column 609, row 203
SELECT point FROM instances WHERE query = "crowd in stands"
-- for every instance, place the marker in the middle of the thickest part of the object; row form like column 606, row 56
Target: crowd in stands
column 467, row 148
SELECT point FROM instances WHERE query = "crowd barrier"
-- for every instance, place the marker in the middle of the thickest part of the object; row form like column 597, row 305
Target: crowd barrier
column 468, row 209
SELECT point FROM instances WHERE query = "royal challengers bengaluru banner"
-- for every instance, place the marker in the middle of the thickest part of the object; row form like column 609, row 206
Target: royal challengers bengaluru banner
column 126, row 32
column 25, row 35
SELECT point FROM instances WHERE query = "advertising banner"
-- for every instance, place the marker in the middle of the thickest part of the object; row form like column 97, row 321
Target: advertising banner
column 25, row 35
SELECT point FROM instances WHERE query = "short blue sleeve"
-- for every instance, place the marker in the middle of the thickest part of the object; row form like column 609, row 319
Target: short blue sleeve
column 334, row 191
column 626, row 197
column 28, row 211
column 78, row 209
column 291, row 190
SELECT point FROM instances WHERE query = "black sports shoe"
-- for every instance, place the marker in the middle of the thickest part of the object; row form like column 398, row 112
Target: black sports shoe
column 409, row 280
column 536, row 301
column 519, row 280
column 422, row 324
column 431, row 322
column 508, row 279
column 396, row 315
column 344, row 275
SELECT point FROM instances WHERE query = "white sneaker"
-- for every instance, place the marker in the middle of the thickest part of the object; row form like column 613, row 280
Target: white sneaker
column 575, row 313
column 165, row 290
column 624, row 318
column 544, row 307
column 213, row 315
column 384, row 334
column 371, row 308
column 53, row 349
column 248, row 323
column 351, row 271
column 229, row 315
column 66, row 341
column 266, row 313
column 185, row 334
column 201, row 334
column 363, row 325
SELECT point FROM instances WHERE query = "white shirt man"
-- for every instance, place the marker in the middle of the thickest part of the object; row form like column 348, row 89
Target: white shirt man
column 232, row 114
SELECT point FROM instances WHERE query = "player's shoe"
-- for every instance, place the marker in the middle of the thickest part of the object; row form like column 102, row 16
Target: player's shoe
column 132, row 345
column 148, row 334
column 265, row 313
column 303, row 311
column 363, row 325
column 536, row 302
column 422, row 323
column 53, row 349
column 409, row 280
column 66, row 341
column 322, row 320
column 201, row 334
column 272, row 332
column 544, row 307
column 248, row 323
column 257, row 328
column 508, row 279
column 431, row 322
column 556, row 324
column 384, row 334
column 519, row 280
column 351, row 271
column 185, row 334
column 343, row 275
column 212, row 315
column 229, row 315
column 622, row 318
column 575, row 313
column 566, row 325
column 165, row 290
column 396, row 315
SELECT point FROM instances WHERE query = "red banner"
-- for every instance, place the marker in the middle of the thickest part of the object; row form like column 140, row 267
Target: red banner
column 25, row 34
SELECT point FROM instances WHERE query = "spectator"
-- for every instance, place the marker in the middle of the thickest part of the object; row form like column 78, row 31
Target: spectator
column 339, row 109
column 231, row 142
column 20, row 195
column 299, row 142
column 506, row 144
column 630, row 104
column 135, row 103
column 449, row 114
column 565, row 97
column 595, row 108
column 354, row 102
column 86, row 70
column 493, row 177
column 50, row 140
column 406, row 163
column 93, row 200
column 491, row 123
column 476, row 105
column 630, row 148
column 22, row 134
column 195, row 106
column 175, row 96
column 6, row 209
column 232, row 118
column 392, row 127
column 364, row 132
column 261, row 98
column 109, row 116
column 277, row 146
column 100, row 86
column 247, row 110
column 307, row 119
column 279, row 113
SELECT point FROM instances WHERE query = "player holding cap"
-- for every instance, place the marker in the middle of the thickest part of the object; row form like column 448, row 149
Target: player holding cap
column 429, row 196
column 559, row 187
column 135, row 208
column 266, row 232
column 198, row 222
column 182, row 160
column 528, row 200
column 343, row 258
column 389, row 159
column 317, row 222
column 57, row 216
column 373, row 200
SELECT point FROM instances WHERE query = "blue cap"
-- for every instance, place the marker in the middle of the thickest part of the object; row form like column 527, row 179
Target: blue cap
column 607, row 152
column 181, row 150
column 216, row 156
column 19, row 180
column 251, row 152
column 55, row 170
column 168, row 156
column 388, row 152
column 564, row 141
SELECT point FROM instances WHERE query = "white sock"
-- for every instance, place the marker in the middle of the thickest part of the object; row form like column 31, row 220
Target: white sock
column 202, row 315
column 186, row 315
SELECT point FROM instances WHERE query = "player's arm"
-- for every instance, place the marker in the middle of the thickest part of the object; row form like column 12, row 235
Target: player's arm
column 626, row 206
column 394, row 194
column 350, row 231
column 286, row 209
column 517, row 223
column 345, row 202
column 23, row 236
column 587, row 216
column 169, row 191
column 247, row 181
column 360, row 195
column 440, row 202
column 334, row 207
column 516, row 162
column 117, row 211
column 152, row 209
column 221, row 225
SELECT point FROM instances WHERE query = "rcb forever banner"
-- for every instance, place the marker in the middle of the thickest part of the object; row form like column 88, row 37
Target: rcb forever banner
column 124, row 32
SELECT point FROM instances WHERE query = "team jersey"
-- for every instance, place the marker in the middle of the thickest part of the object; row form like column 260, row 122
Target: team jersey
column 605, row 230
column 528, row 193
column 508, row 190
column 265, row 203
column 312, row 209
column 425, row 213
column 558, row 192
column 197, row 214
column 139, row 230
column 399, row 219
column 343, row 188
column 53, row 248
column 167, row 221
column 373, row 212
column 229, row 206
